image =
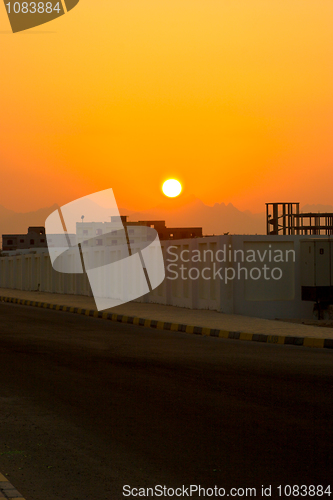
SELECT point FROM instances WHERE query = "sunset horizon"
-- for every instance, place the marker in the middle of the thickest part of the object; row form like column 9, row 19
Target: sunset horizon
column 233, row 99
column 166, row 249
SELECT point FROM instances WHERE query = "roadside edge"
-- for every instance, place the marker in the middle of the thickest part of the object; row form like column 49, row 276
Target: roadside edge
column 7, row 490
column 179, row 327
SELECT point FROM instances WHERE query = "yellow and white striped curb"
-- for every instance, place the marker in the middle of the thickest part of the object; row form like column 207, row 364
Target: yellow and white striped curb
column 179, row 327
column 7, row 490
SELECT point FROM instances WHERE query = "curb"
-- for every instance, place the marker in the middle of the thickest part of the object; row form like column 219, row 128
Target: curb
column 178, row 327
column 7, row 490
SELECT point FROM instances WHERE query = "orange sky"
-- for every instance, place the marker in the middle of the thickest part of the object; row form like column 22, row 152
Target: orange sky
column 232, row 97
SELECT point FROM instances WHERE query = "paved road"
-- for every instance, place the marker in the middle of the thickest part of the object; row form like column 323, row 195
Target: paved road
column 87, row 406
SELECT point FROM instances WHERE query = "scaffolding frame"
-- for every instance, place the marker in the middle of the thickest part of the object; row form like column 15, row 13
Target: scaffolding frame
column 285, row 218
column 280, row 218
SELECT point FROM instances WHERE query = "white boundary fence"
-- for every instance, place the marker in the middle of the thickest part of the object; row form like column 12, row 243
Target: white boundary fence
column 196, row 288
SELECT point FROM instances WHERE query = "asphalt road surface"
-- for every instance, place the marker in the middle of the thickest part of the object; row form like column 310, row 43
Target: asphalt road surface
column 88, row 406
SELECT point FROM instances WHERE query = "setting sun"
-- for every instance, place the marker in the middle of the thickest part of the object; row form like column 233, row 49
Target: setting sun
column 172, row 188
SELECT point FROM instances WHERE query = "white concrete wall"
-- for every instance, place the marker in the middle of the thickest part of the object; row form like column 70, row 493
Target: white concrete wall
column 262, row 298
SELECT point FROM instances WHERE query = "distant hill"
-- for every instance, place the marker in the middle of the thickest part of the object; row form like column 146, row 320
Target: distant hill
column 18, row 222
column 192, row 212
column 179, row 212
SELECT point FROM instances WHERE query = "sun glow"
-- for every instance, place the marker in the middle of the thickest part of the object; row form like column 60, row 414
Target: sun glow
column 172, row 188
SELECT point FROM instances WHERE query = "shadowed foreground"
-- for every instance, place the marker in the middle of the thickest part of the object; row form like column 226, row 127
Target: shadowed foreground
column 88, row 406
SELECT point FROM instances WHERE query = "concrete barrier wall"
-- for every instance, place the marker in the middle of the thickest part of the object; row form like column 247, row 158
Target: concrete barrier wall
column 206, row 280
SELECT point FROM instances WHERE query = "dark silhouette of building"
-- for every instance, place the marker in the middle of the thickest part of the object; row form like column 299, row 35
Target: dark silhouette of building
column 166, row 233
column 35, row 238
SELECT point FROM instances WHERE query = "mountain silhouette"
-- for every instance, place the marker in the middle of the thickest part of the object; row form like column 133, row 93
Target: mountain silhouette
column 183, row 211
column 18, row 222
column 179, row 212
column 191, row 211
